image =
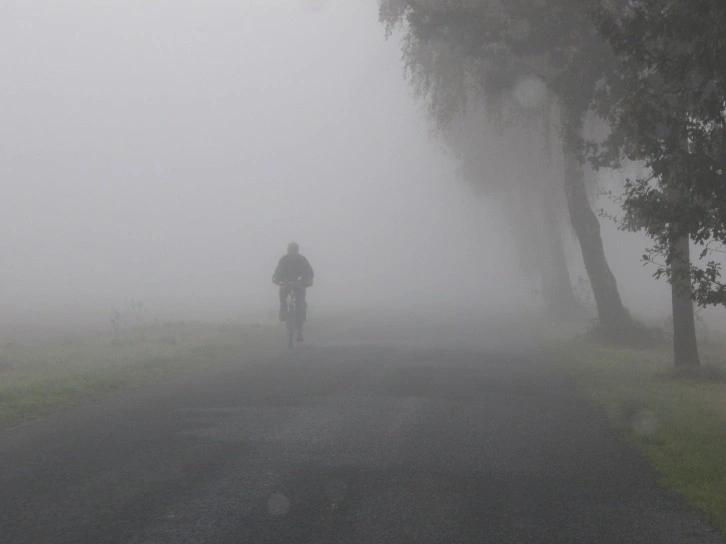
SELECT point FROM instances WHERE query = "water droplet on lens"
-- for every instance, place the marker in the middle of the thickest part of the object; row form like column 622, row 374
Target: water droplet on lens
column 530, row 92
column 644, row 422
column 278, row 505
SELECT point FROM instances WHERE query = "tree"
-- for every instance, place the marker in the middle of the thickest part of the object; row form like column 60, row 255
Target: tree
column 508, row 157
column 455, row 48
column 665, row 102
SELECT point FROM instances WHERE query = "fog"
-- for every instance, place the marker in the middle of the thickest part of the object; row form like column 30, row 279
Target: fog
column 167, row 151
column 448, row 377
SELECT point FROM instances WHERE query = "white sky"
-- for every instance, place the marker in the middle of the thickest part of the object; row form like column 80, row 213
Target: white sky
column 168, row 150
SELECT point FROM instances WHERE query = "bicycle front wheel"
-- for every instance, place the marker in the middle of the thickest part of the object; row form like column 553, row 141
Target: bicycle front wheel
column 291, row 325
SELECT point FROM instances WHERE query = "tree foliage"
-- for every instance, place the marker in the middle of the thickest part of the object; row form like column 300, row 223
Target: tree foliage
column 665, row 101
column 459, row 51
column 474, row 90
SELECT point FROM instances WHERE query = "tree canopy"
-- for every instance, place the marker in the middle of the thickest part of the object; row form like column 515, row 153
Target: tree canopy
column 665, row 103
column 459, row 52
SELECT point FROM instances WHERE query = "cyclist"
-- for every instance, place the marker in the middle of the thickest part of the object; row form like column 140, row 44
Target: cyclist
column 293, row 268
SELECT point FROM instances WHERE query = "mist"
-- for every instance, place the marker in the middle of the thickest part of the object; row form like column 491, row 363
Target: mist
column 483, row 356
column 167, row 152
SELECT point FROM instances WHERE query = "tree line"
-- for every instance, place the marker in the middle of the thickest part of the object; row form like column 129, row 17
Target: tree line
column 649, row 75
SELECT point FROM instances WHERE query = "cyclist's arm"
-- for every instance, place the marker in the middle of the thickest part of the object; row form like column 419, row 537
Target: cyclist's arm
column 310, row 273
column 276, row 275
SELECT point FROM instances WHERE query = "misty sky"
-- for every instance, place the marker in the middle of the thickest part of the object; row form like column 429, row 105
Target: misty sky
column 168, row 150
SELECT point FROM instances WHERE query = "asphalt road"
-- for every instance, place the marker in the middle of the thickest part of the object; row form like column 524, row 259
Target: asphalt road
column 387, row 434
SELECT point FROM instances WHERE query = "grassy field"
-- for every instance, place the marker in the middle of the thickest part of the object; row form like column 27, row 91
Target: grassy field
column 38, row 377
column 678, row 423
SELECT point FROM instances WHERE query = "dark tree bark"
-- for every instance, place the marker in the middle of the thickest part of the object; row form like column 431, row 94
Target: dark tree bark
column 559, row 297
column 615, row 320
column 685, row 345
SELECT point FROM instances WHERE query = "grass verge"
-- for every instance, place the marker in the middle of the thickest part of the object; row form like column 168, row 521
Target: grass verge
column 678, row 423
column 41, row 377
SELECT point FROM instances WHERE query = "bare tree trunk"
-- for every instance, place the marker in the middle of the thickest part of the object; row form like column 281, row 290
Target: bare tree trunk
column 615, row 320
column 685, row 345
column 559, row 297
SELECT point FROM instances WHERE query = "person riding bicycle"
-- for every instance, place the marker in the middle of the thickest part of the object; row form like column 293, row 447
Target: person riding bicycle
column 293, row 268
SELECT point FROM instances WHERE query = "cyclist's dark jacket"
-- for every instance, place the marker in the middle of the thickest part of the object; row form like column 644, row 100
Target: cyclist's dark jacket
column 293, row 267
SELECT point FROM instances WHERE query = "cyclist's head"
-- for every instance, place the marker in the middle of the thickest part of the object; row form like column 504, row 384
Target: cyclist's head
column 292, row 247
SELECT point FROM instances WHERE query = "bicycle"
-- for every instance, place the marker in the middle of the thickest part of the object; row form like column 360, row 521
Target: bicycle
column 294, row 312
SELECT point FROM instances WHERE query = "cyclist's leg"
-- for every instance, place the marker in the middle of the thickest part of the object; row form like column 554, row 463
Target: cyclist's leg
column 300, row 299
column 283, row 303
column 303, row 304
column 291, row 320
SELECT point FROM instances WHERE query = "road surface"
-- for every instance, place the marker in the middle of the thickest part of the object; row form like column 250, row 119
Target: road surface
column 420, row 433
